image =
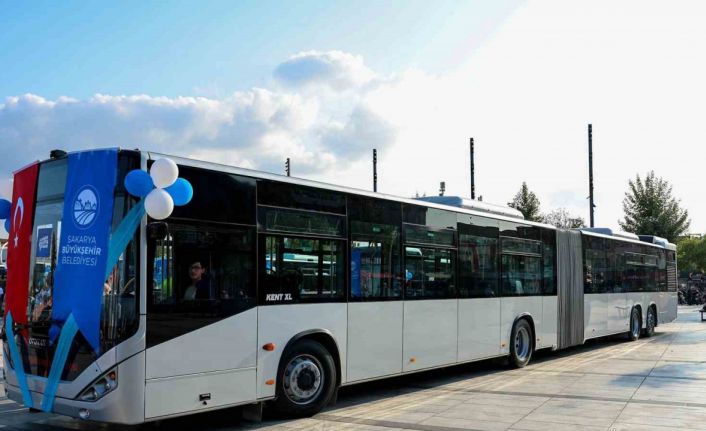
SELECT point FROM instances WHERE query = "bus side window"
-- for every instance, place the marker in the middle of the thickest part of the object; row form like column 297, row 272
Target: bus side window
column 199, row 275
column 521, row 267
column 299, row 269
column 478, row 261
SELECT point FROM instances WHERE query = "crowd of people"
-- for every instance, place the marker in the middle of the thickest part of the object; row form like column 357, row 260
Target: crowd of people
column 692, row 291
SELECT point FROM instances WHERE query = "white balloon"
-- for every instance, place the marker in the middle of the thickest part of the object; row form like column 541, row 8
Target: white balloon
column 159, row 204
column 164, row 172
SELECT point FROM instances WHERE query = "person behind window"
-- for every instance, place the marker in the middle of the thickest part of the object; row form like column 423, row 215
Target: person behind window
column 108, row 285
column 198, row 287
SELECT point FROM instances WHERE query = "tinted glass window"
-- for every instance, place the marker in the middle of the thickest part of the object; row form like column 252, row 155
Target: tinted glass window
column 521, row 275
column 429, row 216
column 198, row 275
column 640, row 271
column 429, row 273
column 598, row 269
column 661, row 271
column 521, row 261
column 518, row 230
column 374, row 210
column 301, row 197
column 634, row 275
column 548, row 262
column 375, row 261
column 619, row 251
column 428, row 235
column 478, row 256
column 303, row 222
column 218, row 197
column 651, row 268
column 52, row 179
column 521, row 246
column 296, row 269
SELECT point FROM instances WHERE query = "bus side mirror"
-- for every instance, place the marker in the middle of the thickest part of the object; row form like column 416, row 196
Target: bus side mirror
column 157, row 230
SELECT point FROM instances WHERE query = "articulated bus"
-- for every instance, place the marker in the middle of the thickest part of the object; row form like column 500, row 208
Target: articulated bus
column 303, row 287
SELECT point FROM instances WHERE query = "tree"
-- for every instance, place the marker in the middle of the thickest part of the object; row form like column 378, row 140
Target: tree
column 691, row 254
column 561, row 218
column 527, row 203
column 650, row 209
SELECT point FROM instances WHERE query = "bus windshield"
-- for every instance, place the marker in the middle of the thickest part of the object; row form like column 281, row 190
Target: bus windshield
column 119, row 312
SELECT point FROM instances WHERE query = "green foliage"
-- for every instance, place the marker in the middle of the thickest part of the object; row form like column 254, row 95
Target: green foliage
column 561, row 218
column 691, row 254
column 527, row 203
column 650, row 209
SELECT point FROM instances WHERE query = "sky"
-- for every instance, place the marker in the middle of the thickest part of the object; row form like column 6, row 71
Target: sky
column 252, row 83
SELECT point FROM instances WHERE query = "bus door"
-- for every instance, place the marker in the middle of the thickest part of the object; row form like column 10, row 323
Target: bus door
column 430, row 336
column 201, row 317
column 375, row 304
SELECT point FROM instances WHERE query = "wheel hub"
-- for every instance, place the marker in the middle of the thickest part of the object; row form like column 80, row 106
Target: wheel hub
column 303, row 379
column 522, row 344
column 306, row 380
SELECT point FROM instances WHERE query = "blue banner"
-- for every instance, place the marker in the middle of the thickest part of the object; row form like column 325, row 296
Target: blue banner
column 44, row 240
column 83, row 245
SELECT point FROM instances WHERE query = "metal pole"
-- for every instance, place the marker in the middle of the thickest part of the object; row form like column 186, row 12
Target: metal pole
column 375, row 170
column 287, row 167
column 590, row 173
column 473, row 172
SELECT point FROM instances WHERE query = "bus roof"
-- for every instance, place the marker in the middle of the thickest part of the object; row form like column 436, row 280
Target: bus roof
column 607, row 233
column 310, row 183
column 596, row 232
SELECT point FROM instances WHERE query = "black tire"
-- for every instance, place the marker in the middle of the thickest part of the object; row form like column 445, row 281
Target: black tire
column 521, row 344
column 306, row 380
column 650, row 323
column 635, row 324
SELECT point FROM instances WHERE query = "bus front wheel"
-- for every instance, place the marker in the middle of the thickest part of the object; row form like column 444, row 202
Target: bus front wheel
column 306, row 379
column 521, row 345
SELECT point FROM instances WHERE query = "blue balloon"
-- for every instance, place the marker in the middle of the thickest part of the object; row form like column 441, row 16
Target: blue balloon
column 7, row 225
column 138, row 183
column 4, row 208
column 181, row 191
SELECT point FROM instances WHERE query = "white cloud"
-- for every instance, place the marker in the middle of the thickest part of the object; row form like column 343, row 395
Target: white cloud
column 335, row 69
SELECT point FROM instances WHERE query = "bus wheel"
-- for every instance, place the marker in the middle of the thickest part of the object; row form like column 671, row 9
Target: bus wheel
column 521, row 345
column 306, row 379
column 650, row 323
column 635, row 324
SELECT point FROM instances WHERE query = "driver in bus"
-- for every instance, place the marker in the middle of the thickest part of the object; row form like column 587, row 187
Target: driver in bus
column 198, row 287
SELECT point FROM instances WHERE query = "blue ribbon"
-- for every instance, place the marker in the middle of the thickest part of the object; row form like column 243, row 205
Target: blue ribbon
column 123, row 234
column 62, row 352
column 17, row 361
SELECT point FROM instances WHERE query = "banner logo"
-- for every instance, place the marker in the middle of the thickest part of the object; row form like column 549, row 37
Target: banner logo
column 86, row 205
column 21, row 208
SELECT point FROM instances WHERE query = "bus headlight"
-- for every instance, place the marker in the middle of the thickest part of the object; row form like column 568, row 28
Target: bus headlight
column 104, row 384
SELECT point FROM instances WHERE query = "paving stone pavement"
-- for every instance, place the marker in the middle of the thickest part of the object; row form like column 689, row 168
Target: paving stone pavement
column 654, row 384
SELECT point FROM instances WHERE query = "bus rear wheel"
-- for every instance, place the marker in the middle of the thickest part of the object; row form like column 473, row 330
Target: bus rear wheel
column 650, row 323
column 635, row 324
column 521, row 345
column 306, row 379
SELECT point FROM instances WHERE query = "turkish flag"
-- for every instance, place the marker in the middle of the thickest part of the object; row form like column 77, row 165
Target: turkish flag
column 20, row 242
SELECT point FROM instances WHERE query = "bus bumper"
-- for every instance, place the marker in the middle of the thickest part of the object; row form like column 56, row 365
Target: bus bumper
column 124, row 405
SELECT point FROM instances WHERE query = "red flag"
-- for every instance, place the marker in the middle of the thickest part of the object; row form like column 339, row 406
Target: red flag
column 20, row 242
